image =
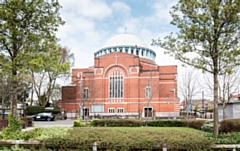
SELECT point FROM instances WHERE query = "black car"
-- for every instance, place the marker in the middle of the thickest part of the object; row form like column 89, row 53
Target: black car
column 44, row 117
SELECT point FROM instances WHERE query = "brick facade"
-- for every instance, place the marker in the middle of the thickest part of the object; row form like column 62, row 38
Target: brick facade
column 131, row 75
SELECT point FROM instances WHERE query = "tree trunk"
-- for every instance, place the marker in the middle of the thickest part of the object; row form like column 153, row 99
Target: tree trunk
column 215, row 114
column 14, row 99
column 31, row 100
column 224, row 111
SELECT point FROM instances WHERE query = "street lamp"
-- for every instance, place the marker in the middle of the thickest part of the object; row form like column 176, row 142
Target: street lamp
column 203, row 102
column 174, row 91
column 80, row 100
column 81, row 104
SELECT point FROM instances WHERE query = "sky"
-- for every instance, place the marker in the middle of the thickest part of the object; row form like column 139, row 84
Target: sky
column 90, row 23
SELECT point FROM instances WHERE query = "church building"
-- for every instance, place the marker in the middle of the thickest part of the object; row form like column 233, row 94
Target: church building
column 124, row 81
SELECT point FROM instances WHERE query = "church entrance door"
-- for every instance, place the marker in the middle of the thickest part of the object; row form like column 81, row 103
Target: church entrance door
column 148, row 112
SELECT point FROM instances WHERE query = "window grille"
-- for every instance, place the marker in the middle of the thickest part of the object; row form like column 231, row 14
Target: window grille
column 116, row 84
column 110, row 110
column 120, row 110
column 148, row 92
column 86, row 93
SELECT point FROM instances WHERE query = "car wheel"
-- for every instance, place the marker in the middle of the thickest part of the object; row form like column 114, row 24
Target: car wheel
column 49, row 119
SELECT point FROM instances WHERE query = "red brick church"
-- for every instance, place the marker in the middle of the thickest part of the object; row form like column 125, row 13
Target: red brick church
column 124, row 80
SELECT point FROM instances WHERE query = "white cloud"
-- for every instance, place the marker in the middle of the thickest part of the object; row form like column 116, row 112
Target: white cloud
column 89, row 24
column 121, row 8
column 162, row 10
column 94, row 9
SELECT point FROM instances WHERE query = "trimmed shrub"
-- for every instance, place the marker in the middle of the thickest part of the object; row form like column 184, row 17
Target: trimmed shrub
column 123, row 139
column 31, row 110
column 196, row 124
column 54, row 111
column 117, row 122
column 164, row 123
column 78, row 123
column 230, row 125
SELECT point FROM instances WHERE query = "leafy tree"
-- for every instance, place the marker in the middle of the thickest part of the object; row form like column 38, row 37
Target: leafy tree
column 27, row 31
column 210, row 31
column 55, row 64
column 4, row 90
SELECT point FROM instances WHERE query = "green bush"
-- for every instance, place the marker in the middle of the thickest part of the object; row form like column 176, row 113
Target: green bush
column 224, row 138
column 208, row 126
column 196, row 124
column 31, row 134
column 79, row 123
column 117, row 122
column 13, row 130
column 32, row 110
column 124, row 138
column 164, row 123
column 54, row 111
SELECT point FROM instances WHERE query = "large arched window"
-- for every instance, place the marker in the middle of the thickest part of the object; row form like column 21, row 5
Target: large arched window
column 116, row 84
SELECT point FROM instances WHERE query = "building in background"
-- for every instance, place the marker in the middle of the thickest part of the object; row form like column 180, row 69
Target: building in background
column 232, row 107
column 124, row 80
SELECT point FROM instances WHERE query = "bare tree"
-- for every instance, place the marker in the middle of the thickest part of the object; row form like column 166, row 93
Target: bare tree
column 90, row 91
column 189, row 85
column 228, row 84
column 151, row 88
column 56, row 94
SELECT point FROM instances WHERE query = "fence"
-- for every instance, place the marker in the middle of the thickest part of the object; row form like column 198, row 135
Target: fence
column 95, row 146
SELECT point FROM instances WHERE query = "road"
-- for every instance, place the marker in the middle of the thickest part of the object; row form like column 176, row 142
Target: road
column 65, row 123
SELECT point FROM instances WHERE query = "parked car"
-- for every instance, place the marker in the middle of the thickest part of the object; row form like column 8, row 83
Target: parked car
column 44, row 117
column 7, row 113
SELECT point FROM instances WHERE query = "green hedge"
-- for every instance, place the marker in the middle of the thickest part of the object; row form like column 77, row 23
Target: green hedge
column 79, row 123
column 138, row 138
column 31, row 110
column 54, row 111
column 164, row 123
column 117, row 123
column 196, row 124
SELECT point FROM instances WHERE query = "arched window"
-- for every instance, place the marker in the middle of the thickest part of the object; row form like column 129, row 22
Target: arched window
column 116, row 84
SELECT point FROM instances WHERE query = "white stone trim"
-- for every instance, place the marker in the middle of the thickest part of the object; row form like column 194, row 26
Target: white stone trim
column 115, row 65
